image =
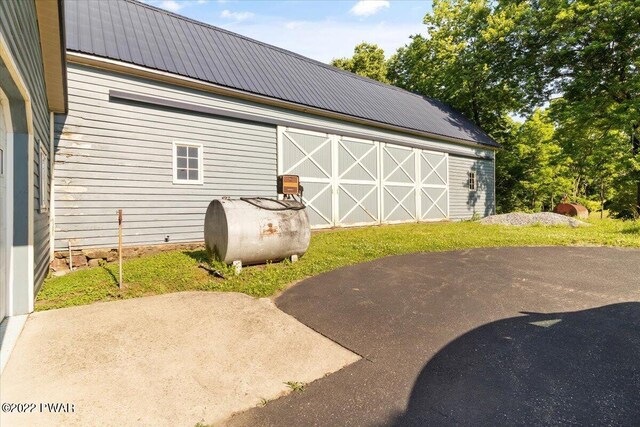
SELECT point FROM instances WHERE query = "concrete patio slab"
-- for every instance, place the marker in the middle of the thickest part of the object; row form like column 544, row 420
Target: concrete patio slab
column 175, row 359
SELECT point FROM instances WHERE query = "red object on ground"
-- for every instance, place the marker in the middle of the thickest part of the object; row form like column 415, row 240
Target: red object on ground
column 571, row 209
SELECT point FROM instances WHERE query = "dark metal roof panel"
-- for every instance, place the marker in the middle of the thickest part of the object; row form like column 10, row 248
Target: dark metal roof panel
column 134, row 32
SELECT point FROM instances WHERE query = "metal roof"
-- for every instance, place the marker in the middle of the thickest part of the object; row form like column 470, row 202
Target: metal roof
column 140, row 34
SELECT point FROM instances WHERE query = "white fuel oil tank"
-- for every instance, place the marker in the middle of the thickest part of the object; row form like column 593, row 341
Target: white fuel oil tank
column 256, row 230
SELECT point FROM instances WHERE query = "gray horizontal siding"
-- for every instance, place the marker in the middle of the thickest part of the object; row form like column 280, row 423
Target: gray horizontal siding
column 19, row 27
column 141, row 86
column 113, row 156
column 464, row 204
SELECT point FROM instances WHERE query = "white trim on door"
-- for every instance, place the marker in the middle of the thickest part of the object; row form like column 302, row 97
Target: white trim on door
column 20, row 296
column 6, row 206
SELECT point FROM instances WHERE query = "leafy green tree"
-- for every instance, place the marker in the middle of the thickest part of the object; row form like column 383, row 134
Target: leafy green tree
column 543, row 162
column 600, row 157
column 589, row 52
column 368, row 60
column 535, row 165
column 490, row 59
column 509, row 170
column 465, row 61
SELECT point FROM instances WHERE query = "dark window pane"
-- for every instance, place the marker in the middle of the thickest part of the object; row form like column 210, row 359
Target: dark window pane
column 182, row 162
column 193, row 152
column 193, row 175
column 182, row 174
column 181, row 150
column 193, row 163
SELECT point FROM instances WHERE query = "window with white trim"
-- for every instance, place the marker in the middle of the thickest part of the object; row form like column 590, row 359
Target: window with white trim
column 473, row 181
column 187, row 163
column 44, row 178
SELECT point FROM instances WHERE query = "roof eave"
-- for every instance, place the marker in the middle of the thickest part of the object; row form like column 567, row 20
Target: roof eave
column 166, row 77
column 52, row 45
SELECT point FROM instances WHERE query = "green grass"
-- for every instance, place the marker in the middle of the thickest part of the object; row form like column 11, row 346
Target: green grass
column 178, row 270
column 296, row 386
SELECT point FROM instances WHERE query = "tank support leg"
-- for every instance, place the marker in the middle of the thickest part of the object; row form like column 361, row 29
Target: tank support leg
column 237, row 266
column 294, row 258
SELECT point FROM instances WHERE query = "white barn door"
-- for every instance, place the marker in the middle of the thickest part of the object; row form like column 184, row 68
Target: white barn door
column 434, row 185
column 309, row 155
column 351, row 181
column 399, row 197
column 357, row 182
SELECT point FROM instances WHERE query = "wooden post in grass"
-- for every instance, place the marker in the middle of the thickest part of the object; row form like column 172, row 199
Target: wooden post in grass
column 120, row 248
column 70, row 256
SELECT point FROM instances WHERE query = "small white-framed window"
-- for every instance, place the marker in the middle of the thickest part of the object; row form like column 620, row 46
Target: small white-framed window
column 187, row 163
column 44, row 178
column 473, row 181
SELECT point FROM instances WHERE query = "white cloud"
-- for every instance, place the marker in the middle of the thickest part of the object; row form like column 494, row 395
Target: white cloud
column 325, row 40
column 175, row 5
column 236, row 16
column 368, row 7
column 292, row 25
column 171, row 5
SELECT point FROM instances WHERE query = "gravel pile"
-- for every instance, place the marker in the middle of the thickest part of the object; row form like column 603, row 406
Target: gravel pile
column 543, row 218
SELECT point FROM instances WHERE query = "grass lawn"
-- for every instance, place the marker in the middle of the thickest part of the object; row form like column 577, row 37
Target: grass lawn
column 178, row 270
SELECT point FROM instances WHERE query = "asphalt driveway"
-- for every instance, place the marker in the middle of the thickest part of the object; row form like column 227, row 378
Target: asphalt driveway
column 505, row 336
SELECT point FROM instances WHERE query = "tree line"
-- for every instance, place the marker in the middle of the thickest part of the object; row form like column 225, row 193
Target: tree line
column 555, row 82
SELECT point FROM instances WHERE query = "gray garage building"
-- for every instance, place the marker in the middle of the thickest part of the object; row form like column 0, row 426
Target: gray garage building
column 167, row 113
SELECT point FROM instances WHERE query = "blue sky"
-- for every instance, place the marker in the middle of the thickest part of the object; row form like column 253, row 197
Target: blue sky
column 321, row 30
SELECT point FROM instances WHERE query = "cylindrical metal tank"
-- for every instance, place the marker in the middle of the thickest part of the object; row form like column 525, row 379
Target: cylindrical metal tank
column 256, row 230
column 571, row 209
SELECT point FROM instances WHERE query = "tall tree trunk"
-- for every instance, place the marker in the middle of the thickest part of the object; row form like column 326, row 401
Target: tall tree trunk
column 602, row 200
column 635, row 144
column 533, row 203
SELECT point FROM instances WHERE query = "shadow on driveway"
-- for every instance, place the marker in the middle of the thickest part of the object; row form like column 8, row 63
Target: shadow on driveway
column 456, row 338
column 578, row 367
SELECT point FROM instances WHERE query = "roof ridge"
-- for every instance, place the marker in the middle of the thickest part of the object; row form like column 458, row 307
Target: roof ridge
column 270, row 46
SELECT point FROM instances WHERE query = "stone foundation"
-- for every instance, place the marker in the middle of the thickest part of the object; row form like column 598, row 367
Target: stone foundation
column 84, row 258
